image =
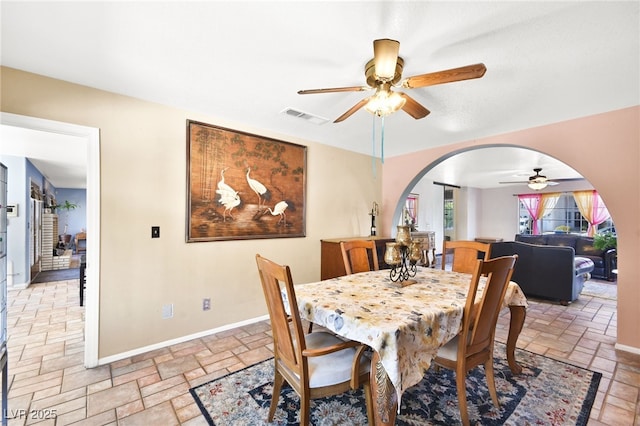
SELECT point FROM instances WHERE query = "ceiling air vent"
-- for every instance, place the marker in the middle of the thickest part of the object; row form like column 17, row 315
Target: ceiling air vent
column 305, row 116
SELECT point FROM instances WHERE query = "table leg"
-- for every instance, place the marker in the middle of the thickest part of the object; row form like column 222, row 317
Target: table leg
column 385, row 404
column 425, row 258
column 518, row 314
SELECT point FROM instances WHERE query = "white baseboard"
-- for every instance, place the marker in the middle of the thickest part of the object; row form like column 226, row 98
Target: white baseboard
column 18, row 286
column 134, row 352
column 626, row 348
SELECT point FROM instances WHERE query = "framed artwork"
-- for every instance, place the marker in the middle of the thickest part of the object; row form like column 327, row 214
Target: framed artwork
column 243, row 186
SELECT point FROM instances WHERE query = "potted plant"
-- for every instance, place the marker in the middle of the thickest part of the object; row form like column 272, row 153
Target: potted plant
column 605, row 240
column 68, row 206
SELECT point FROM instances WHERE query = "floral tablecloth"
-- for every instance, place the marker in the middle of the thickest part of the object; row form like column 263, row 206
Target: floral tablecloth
column 406, row 326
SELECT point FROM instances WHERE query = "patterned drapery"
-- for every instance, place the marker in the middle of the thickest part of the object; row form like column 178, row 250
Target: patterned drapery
column 537, row 205
column 592, row 208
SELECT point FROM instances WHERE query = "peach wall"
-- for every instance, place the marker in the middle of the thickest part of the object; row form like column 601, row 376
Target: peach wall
column 604, row 148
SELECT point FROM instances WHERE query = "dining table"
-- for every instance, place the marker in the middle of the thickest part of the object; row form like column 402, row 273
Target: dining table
column 403, row 323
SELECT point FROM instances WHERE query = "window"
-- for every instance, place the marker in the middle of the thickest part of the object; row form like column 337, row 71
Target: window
column 448, row 208
column 563, row 217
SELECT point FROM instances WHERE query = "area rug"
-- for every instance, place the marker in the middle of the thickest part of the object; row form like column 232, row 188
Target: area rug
column 57, row 275
column 548, row 392
column 602, row 290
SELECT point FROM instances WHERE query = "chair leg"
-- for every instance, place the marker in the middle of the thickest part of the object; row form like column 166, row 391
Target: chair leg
column 461, row 377
column 304, row 410
column 369, row 402
column 278, row 380
column 491, row 383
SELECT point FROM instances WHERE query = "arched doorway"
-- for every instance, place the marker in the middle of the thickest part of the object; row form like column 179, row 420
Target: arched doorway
column 475, row 175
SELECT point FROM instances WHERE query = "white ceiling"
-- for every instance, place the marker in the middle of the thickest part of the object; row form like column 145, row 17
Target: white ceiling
column 62, row 159
column 243, row 62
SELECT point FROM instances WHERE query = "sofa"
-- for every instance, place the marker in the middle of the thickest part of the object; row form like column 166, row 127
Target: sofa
column 548, row 272
column 604, row 261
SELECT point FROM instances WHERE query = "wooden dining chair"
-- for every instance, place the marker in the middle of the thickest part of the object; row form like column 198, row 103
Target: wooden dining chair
column 315, row 365
column 80, row 241
column 464, row 254
column 474, row 344
column 356, row 255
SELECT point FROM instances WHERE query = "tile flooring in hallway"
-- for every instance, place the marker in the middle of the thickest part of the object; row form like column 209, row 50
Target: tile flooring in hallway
column 46, row 333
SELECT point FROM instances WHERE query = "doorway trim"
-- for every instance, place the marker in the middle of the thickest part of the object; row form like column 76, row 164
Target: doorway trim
column 91, row 136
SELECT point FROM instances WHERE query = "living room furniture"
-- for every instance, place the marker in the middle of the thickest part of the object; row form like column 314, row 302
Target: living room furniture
column 604, row 261
column 548, row 272
column 331, row 263
column 359, row 256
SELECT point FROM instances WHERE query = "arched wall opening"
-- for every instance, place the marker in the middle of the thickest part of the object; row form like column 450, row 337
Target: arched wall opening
column 478, row 173
column 605, row 149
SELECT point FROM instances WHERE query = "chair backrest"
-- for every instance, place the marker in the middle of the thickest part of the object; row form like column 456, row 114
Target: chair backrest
column 481, row 315
column 81, row 242
column 288, row 336
column 465, row 254
column 356, row 254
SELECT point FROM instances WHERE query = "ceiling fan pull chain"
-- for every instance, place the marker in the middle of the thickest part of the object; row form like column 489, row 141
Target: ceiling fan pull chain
column 382, row 141
column 373, row 147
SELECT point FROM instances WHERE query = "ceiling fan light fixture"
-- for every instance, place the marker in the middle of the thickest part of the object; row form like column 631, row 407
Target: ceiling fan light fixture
column 537, row 181
column 385, row 52
column 537, row 186
column 385, row 102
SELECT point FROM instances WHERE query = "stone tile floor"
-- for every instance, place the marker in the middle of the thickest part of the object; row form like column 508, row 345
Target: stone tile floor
column 47, row 377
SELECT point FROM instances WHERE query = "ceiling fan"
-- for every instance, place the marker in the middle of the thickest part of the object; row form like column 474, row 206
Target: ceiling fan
column 384, row 71
column 538, row 181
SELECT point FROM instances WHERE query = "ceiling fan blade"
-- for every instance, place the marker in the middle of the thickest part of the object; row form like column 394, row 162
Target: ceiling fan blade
column 568, row 179
column 413, row 108
column 548, row 182
column 334, row 89
column 448, row 76
column 385, row 56
column 353, row 109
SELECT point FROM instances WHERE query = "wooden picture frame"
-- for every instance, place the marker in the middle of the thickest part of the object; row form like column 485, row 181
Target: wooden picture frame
column 243, row 186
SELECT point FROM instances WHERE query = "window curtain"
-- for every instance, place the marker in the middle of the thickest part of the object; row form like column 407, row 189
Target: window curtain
column 592, row 208
column 411, row 208
column 537, row 205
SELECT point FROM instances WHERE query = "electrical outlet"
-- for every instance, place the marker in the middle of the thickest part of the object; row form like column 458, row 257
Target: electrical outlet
column 155, row 232
column 167, row 311
column 206, row 304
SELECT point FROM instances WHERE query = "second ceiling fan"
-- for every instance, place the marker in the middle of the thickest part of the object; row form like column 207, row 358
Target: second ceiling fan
column 539, row 181
column 384, row 71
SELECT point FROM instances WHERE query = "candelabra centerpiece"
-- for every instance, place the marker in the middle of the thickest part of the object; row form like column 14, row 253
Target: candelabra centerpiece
column 403, row 255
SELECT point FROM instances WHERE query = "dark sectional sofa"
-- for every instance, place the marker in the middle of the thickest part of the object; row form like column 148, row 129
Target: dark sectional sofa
column 555, row 266
column 547, row 272
column 604, row 261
